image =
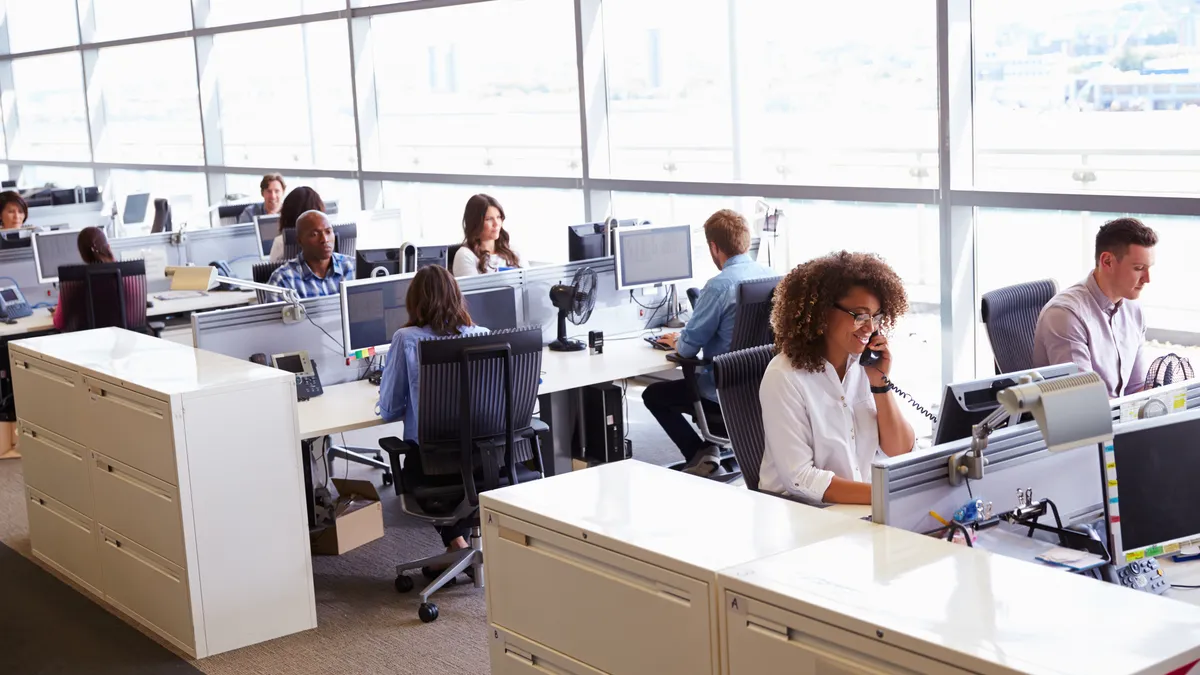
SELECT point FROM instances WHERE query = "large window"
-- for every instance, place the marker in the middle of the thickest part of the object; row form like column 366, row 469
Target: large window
column 148, row 111
column 222, row 12
column 285, row 97
column 119, row 19
column 486, row 88
column 1087, row 95
column 51, row 115
column 40, row 24
column 186, row 192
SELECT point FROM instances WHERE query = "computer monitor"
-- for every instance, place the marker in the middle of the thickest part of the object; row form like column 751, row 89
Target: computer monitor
column 374, row 263
column 8, row 184
column 52, row 250
column 62, row 196
column 654, row 255
column 586, row 242
column 268, row 229
column 136, row 206
column 493, row 308
column 1148, row 473
column 965, row 404
column 231, row 210
column 372, row 311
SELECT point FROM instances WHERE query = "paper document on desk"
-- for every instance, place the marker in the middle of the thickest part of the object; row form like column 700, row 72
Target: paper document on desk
column 156, row 260
column 1070, row 558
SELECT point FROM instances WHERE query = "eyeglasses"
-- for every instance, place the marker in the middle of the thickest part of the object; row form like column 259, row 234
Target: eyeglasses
column 861, row 319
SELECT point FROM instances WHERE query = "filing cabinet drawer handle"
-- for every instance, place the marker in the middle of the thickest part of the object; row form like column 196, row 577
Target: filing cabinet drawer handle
column 120, row 400
column 142, row 559
column 657, row 587
column 49, row 375
column 51, row 444
column 133, row 481
column 767, row 628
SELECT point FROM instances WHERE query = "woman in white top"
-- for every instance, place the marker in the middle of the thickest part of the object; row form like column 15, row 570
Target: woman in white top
column 298, row 201
column 825, row 416
column 485, row 242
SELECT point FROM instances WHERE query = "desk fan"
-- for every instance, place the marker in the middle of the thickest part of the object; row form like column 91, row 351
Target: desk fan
column 574, row 301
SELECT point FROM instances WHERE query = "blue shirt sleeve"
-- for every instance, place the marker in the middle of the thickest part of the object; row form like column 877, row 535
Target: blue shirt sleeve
column 706, row 319
column 248, row 213
column 393, row 386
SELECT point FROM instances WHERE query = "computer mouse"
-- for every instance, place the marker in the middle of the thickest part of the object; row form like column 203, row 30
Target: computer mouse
column 149, row 304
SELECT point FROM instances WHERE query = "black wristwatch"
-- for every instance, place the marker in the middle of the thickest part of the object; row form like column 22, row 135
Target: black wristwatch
column 880, row 390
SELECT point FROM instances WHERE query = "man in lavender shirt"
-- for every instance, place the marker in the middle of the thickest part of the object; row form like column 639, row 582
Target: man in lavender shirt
column 1097, row 324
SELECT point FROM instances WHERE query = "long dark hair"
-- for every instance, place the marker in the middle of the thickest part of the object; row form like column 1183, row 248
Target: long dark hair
column 473, row 217
column 298, row 201
column 434, row 300
column 93, row 246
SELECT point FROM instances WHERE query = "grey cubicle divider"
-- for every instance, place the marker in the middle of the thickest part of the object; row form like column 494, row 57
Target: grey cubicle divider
column 175, row 255
column 236, row 244
column 614, row 314
column 17, row 264
column 244, row 331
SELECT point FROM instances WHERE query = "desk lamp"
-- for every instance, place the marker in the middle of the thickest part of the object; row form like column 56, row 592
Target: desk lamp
column 204, row 278
column 1070, row 412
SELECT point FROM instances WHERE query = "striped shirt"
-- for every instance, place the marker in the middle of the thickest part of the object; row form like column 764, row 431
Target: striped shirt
column 297, row 275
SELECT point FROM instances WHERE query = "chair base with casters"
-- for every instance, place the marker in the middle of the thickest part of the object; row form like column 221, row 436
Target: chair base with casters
column 363, row 456
column 452, row 563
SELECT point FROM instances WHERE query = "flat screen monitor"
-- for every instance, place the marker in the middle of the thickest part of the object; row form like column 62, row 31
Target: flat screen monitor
column 52, row 250
column 586, row 242
column 493, row 308
column 965, row 404
column 652, row 256
column 1149, row 472
column 136, row 206
column 372, row 311
column 268, row 229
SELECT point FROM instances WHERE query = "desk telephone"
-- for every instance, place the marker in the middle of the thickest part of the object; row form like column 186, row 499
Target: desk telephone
column 308, row 382
column 870, row 357
column 12, row 303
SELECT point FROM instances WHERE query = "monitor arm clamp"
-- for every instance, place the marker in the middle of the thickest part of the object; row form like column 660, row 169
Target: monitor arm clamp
column 969, row 464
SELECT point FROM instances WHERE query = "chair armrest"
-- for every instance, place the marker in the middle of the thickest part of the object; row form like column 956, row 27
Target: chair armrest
column 156, row 328
column 688, row 362
column 689, row 366
column 397, row 448
column 539, row 426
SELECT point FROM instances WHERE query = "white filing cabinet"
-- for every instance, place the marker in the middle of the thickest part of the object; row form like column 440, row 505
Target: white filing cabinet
column 884, row 600
column 167, row 481
column 613, row 569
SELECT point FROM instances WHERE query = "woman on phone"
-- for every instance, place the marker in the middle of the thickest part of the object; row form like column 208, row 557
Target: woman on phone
column 826, row 416
column 485, row 241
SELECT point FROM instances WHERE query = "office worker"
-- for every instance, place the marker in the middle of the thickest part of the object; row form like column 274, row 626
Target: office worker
column 825, row 417
column 298, row 201
column 272, row 188
column 710, row 331
column 318, row 270
column 13, row 210
column 1097, row 324
column 436, row 308
column 485, row 245
column 93, row 249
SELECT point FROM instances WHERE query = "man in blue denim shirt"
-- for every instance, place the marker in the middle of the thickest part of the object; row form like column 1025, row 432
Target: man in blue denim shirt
column 710, row 331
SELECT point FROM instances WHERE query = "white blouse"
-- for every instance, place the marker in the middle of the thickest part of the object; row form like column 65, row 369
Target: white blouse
column 816, row 427
column 466, row 263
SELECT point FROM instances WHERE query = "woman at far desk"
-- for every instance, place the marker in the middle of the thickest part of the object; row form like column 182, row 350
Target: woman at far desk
column 485, row 242
column 93, row 250
column 825, row 417
column 436, row 308
column 13, row 210
column 298, row 201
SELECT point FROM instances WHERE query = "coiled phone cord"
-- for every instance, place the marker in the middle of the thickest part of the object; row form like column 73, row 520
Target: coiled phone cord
column 912, row 401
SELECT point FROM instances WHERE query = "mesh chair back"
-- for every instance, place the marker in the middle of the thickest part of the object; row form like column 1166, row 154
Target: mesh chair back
column 752, row 320
column 443, row 401
column 1010, row 315
column 103, row 295
column 738, row 376
column 262, row 274
column 345, row 241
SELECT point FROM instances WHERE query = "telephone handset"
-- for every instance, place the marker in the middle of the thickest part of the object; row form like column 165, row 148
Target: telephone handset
column 308, row 382
column 870, row 357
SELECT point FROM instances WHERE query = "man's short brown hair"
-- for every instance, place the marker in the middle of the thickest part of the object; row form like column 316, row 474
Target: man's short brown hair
column 1116, row 236
column 271, row 178
column 728, row 230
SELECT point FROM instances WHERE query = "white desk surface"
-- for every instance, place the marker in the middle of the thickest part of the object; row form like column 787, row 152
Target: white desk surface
column 42, row 319
column 1181, row 574
column 970, row 604
column 351, row 405
column 666, row 517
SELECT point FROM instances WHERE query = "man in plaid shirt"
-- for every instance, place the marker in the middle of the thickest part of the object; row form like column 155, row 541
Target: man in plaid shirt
column 318, row 270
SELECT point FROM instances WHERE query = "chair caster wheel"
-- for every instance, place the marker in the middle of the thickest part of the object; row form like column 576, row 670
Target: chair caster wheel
column 428, row 612
column 404, row 583
column 387, row 479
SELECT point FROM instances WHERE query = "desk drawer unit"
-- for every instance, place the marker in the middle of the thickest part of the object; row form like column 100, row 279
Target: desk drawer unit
column 63, row 538
column 146, row 586
column 51, row 396
column 56, row 466
column 131, row 428
column 139, row 506
column 609, row 611
column 513, row 655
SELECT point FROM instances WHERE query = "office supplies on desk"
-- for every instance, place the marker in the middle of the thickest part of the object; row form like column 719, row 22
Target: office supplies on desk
column 595, row 342
column 574, row 301
column 308, row 382
column 13, row 304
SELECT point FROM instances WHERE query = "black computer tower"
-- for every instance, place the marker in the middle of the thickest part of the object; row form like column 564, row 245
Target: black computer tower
column 604, row 424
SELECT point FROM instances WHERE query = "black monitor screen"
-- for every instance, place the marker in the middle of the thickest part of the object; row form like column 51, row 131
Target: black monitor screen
column 374, row 312
column 291, row 363
column 9, row 295
column 494, row 309
column 1156, row 493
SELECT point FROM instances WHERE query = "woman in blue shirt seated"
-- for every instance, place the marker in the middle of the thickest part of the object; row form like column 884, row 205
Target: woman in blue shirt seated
column 436, row 308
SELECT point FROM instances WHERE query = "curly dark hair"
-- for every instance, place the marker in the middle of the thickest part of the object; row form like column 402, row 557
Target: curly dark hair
column 807, row 294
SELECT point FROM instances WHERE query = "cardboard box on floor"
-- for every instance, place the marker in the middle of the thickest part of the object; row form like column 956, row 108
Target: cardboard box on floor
column 8, row 441
column 357, row 519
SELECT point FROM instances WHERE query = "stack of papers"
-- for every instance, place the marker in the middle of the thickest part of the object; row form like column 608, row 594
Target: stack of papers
column 1070, row 558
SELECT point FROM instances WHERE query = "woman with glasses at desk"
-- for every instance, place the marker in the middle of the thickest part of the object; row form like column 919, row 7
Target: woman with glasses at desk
column 485, row 241
column 436, row 308
column 826, row 417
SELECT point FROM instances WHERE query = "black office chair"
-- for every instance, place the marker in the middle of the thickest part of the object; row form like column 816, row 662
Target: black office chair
column 345, row 241
column 1010, row 315
column 262, row 274
column 738, row 376
column 751, row 328
column 475, row 433
column 451, row 251
column 105, row 294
